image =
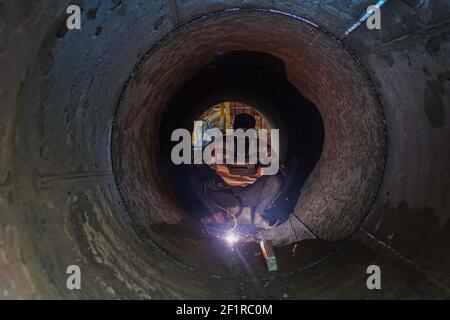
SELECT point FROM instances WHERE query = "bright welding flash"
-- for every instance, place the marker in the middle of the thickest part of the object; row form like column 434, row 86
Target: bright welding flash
column 231, row 238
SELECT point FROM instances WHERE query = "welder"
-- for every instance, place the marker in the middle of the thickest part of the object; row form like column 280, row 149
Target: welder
column 225, row 189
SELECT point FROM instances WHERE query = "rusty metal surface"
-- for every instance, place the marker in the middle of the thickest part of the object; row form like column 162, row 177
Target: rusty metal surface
column 59, row 203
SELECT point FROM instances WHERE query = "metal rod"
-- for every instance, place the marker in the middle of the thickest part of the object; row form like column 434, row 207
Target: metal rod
column 365, row 17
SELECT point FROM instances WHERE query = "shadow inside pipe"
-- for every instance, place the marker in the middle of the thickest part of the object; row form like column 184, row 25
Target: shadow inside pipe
column 259, row 80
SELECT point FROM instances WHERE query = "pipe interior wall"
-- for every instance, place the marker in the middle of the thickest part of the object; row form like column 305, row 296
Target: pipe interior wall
column 79, row 149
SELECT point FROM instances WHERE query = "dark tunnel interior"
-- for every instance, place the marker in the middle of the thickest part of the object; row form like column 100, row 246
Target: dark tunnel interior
column 86, row 118
column 258, row 80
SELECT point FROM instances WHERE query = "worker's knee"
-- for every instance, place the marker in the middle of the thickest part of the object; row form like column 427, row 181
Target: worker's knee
column 274, row 183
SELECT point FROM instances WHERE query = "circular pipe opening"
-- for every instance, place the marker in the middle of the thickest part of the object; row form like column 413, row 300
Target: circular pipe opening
column 67, row 205
column 168, row 90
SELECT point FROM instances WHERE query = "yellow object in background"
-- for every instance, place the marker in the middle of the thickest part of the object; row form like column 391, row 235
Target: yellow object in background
column 197, row 135
column 227, row 115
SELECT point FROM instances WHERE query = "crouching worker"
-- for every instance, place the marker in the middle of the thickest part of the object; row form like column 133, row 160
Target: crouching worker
column 225, row 189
